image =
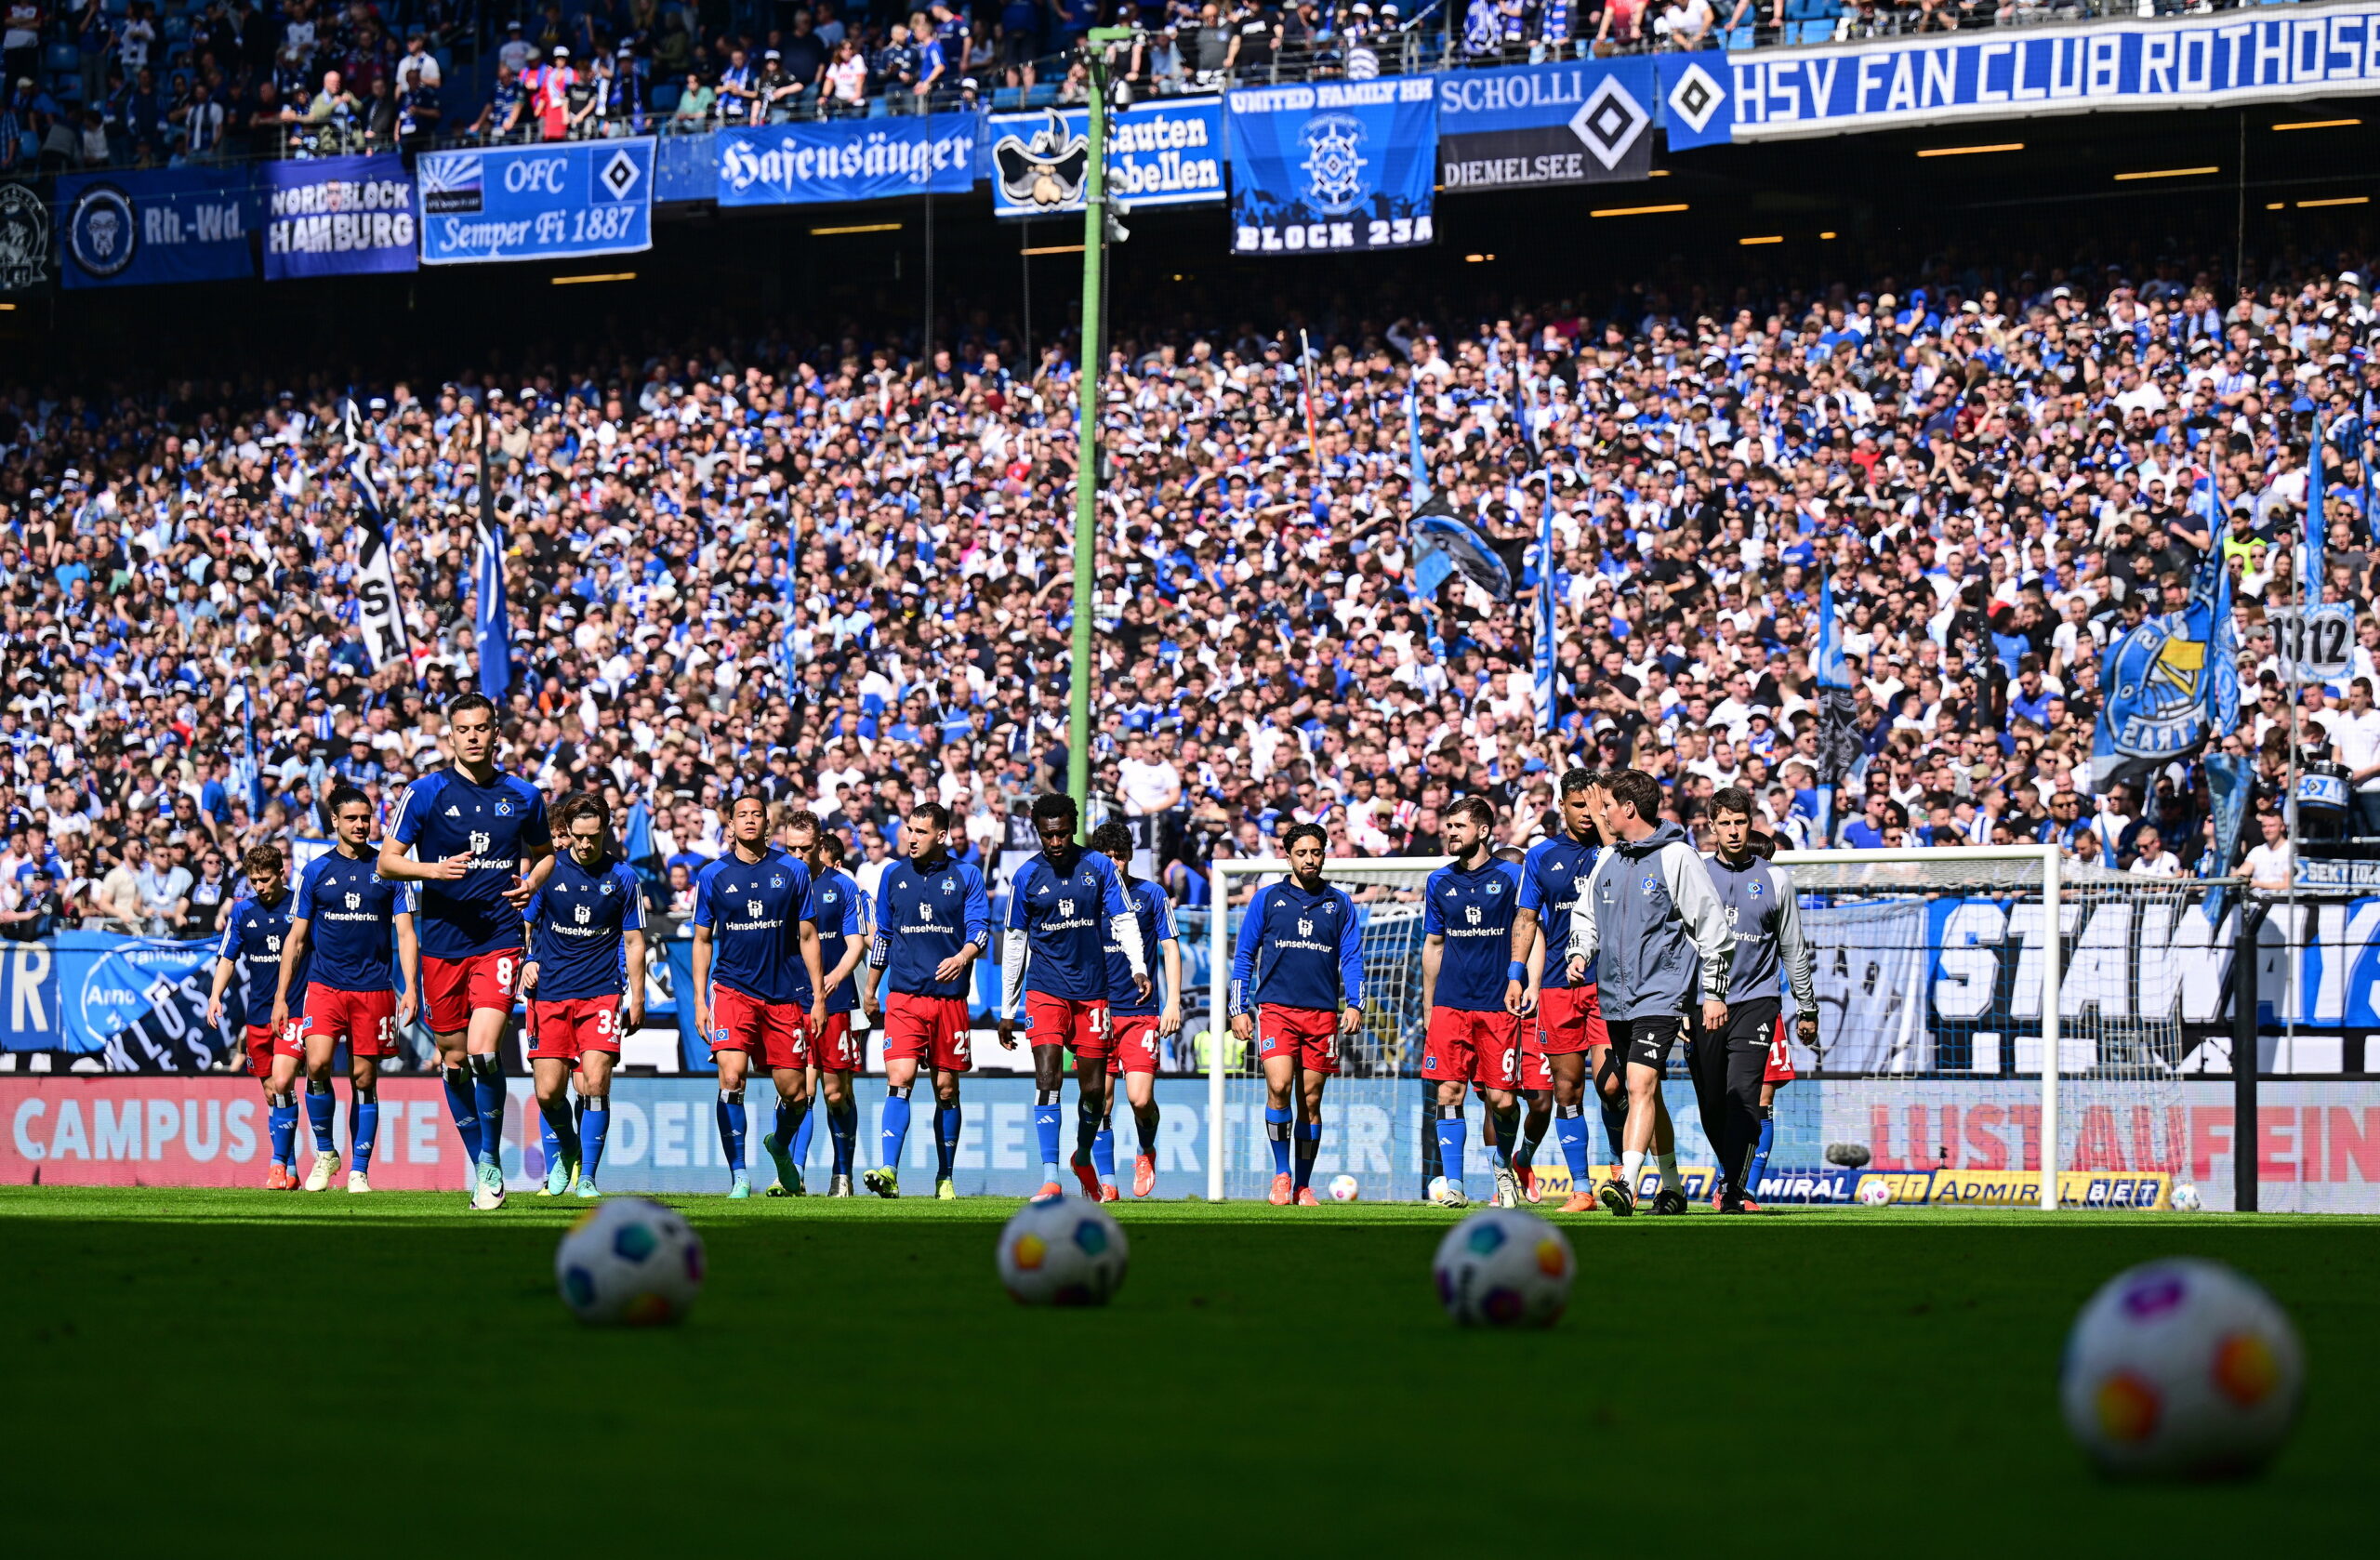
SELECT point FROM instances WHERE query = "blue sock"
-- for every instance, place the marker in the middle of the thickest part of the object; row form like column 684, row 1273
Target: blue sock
column 1453, row 1130
column 282, row 1122
column 1276, row 1130
column 1309, row 1144
column 1760, row 1152
column 1045, row 1132
column 1570, row 1131
column 732, row 1125
column 318, row 1116
column 591, row 1128
column 804, row 1133
column 549, row 1140
column 465, row 1113
column 364, row 1107
column 843, row 1127
column 947, row 1121
column 1103, row 1151
column 487, row 1094
column 894, row 1131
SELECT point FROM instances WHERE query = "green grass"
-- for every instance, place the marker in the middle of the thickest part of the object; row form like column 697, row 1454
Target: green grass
column 189, row 1372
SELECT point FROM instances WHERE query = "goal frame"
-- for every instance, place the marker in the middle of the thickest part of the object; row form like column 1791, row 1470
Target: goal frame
column 2053, row 965
column 1220, row 876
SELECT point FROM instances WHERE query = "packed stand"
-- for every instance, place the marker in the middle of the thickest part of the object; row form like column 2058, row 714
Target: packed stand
column 844, row 575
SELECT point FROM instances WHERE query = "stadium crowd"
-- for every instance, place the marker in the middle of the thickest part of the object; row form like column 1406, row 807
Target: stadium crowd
column 841, row 573
column 144, row 83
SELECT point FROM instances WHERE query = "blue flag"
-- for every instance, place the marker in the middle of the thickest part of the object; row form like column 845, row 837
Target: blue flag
column 1831, row 671
column 1545, row 678
column 2169, row 686
column 2315, row 529
column 1413, row 442
column 491, row 622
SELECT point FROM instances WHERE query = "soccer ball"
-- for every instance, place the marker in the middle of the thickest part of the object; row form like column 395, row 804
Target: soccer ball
column 2181, row 1368
column 1343, row 1188
column 630, row 1262
column 2185, row 1198
column 1063, row 1251
column 1436, row 1190
column 1504, row 1267
column 1875, row 1192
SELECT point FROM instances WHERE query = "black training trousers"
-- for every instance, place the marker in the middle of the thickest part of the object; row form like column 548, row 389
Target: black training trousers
column 1728, row 1071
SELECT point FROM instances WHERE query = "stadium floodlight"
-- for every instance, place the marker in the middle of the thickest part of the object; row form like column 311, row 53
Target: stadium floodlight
column 1083, row 671
column 1371, row 1120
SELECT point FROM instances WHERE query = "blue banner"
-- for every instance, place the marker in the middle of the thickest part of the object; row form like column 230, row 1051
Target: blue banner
column 138, row 1001
column 1335, row 167
column 129, row 229
column 2167, row 685
column 1162, row 154
column 338, row 217
column 561, row 201
column 27, row 997
column 1581, row 123
column 847, row 160
column 2181, row 62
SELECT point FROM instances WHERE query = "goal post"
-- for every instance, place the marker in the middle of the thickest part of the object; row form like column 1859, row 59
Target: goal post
column 1370, row 1110
column 1972, row 1053
column 1964, row 989
column 2045, row 864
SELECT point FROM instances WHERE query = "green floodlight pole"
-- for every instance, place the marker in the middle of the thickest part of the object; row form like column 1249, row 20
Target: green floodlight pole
column 1094, row 240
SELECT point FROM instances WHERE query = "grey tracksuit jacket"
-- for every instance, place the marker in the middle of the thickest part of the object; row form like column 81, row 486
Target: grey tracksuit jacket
column 1650, row 913
column 1765, row 919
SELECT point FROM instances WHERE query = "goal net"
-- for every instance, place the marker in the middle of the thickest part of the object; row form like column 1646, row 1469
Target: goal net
column 1371, row 1112
column 1945, row 1067
column 1932, row 968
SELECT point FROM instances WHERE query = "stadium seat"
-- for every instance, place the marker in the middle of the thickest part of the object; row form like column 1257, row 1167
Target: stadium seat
column 61, row 57
column 666, row 96
column 1739, row 38
column 1042, row 96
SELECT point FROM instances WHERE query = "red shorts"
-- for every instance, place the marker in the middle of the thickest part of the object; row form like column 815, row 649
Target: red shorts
column 1536, row 1077
column 263, row 1044
column 566, row 1030
column 836, row 1049
column 1572, row 1020
column 928, row 1029
column 366, row 1020
column 1780, row 1059
column 453, row 989
column 1056, row 1021
column 1482, row 1048
column 774, row 1034
column 1135, row 1044
column 1310, row 1035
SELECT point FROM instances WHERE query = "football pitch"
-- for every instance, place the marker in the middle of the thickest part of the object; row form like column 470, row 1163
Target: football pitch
column 201, row 1372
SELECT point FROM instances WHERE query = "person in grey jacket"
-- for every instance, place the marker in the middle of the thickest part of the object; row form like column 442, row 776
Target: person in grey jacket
column 1729, row 1062
column 1650, row 911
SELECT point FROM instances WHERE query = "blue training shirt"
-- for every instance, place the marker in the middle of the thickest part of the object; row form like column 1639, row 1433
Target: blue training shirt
column 1064, row 911
column 576, row 929
column 837, row 898
column 350, row 914
column 1298, row 950
column 1473, row 911
column 1553, row 876
column 254, row 931
column 1154, row 912
column 925, row 912
column 445, row 815
column 755, row 911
